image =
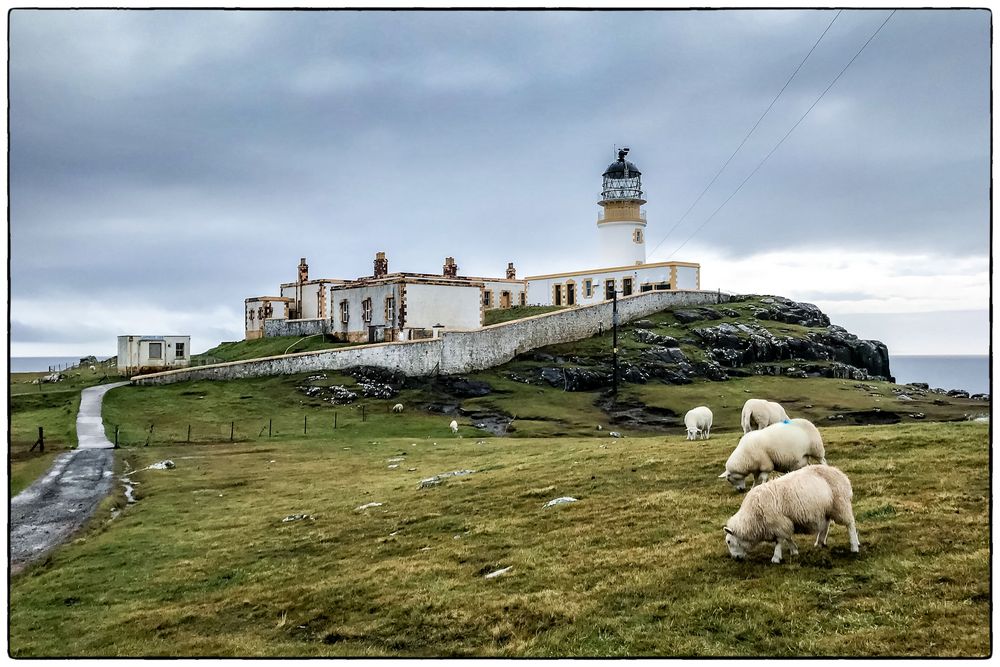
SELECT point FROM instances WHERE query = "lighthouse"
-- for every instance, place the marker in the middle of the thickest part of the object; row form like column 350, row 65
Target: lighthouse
column 621, row 225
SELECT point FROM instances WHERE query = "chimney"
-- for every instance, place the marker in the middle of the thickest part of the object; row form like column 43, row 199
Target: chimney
column 511, row 272
column 381, row 265
column 450, row 267
column 303, row 271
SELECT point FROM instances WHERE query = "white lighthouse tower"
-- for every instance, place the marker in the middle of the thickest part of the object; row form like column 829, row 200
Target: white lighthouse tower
column 621, row 225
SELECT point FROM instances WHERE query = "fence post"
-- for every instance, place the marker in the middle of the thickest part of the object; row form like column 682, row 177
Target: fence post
column 40, row 443
column 305, row 424
column 116, row 436
column 232, row 430
column 334, row 421
column 149, row 436
column 269, row 427
column 189, row 433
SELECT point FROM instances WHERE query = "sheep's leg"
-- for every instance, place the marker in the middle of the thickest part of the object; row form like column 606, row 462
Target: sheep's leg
column 776, row 558
column 792, row 549
column 824, row 530
column 852, row 532
column 762, row 478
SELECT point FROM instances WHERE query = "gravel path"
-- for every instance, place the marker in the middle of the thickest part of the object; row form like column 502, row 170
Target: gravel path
column 60, row 502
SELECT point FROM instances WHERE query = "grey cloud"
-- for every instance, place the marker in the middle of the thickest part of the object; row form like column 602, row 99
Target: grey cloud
column 215, row 148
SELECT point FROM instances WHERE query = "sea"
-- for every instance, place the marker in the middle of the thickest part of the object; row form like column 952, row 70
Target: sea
column 39, row 364
column 968, row 372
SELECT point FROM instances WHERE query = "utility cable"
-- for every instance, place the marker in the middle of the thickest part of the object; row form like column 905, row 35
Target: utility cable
column 782, row 140
column 721, row 169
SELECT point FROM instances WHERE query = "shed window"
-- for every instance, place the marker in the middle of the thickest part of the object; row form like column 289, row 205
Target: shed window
column 646, row 287
column 344, row 311
column 366, row 310
column 524, row 298
column 156, row 350
column 588, row 288
column 179, row 350
column 487, row 298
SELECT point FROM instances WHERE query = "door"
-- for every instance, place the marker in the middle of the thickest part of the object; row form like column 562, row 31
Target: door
column 505, row 300
column 570, row 294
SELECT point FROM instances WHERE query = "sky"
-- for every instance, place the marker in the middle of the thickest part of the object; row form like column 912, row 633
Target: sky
column 165, row 165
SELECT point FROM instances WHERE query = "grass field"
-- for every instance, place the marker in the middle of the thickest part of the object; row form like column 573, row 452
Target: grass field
column 203, row 564
column 266, row 347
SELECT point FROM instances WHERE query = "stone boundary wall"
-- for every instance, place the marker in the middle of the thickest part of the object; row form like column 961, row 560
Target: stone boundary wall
column 296, row 327
column 454, row 351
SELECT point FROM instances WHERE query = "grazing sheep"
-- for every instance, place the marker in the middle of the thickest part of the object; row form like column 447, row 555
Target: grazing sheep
column 804, row 501
column 454, row 426
column 93, row 368
column 783, row 447
column 758, row 413
column 698, row 421
column 398, row 407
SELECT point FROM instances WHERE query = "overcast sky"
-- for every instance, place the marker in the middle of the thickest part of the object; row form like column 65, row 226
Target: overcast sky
column 165, row 165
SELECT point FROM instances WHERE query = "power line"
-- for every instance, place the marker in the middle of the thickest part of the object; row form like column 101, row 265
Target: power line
column 782, row 140
column 721, row 169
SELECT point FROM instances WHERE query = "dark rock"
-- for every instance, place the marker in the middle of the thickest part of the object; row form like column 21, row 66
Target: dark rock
column 874, row 416
column 711, row 370
column 980, row 397
column 442, row 408
column 793, row 372
column 644, row 324
column 577, row 379
column 461, row 387
column 920, row 385
column 651, row 338
column 695, row 314
column 918, row 415
column 665, row 355
column 342, row 395
column 638, row 414
column 378, row 376
column 958, row 393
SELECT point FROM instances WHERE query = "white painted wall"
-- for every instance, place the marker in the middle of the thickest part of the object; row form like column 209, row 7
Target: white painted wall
column 496, row 287
column 354, row 297
column 542, row 292
column 133, row 353
column 687, row 277
column 615, row 243
column 454, row 306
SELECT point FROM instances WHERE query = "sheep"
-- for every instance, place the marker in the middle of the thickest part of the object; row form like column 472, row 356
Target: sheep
column 698, row 421
column 783, row 447
column 805, row 501
column 398, row 407
column 758, row 413
column 454, row 426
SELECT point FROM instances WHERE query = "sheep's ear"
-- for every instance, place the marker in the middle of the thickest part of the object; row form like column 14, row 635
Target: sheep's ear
column 726, row 528
column 725, row 474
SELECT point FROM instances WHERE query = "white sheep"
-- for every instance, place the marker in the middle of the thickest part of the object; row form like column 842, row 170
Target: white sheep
column 758, row 413
column 783, row 447
column 398, row 407
column 698, row 421
column 806, row 501
column 454, row 426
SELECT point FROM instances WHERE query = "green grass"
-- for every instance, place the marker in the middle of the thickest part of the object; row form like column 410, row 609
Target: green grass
column 204, row 565
column 498, row 315
column 266, row 347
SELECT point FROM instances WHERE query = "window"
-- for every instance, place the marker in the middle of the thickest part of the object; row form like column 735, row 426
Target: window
column 524, row 298
column 390, row 311
column 609, row 288
column 663, row 286
column 179, row 351
column 637, row 236
column 344, row 311
column 557, row 295
column 646, row 287
column 366, row 310
column 488, row 298
column 626, row 286
column 156, row 350
column 588, row 288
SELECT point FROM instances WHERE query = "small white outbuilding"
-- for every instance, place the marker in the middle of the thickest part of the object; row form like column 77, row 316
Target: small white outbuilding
column 149, row 354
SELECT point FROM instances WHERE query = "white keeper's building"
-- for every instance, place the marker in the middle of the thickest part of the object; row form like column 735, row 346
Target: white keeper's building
column 407, row 306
